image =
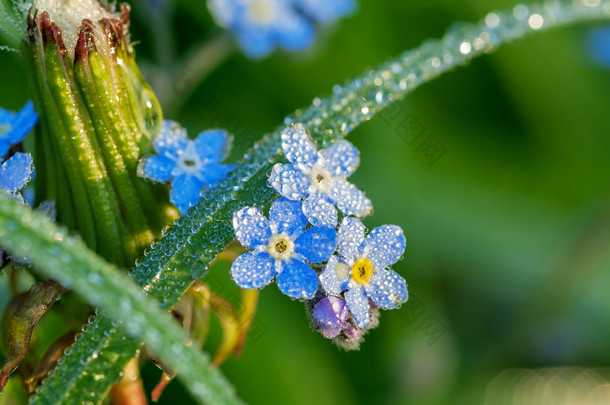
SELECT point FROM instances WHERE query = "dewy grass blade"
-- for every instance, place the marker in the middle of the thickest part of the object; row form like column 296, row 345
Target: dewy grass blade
column 58, row 256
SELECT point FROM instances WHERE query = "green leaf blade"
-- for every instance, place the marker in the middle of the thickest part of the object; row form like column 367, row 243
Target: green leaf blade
column 59, row 256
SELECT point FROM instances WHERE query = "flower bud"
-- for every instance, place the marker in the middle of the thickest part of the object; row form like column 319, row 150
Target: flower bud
column 330, row 316
column 97, row 116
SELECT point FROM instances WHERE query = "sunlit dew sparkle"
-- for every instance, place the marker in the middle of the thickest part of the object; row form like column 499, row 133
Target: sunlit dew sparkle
column 536, row 21
column 520, row 12
column 492, row 20
column 591, row 3
column 465, row 48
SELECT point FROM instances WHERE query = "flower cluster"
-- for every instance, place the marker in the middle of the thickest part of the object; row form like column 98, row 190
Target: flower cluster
column 16, row 171
column 192, row 166
column 343, row 272
column 260, row 25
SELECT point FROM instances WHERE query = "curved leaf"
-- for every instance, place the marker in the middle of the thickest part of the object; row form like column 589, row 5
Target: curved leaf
column 57, row 255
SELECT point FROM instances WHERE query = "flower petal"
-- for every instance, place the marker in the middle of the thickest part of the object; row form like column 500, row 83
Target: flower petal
column 294, row 32
column 252, row 270
column 316, row 244
column 224, row 12
column 213, row 173
column 4, row 146
column 324, row 11
column 341, row 159
column 358, row 304
column 297, row 280
column 351, row 235
column 213, row 144
column 171, row 140
column 335, row 276
column 384, row 245
column 16, row 172
column 252, row 229
column 319, row 211
column 17, row 125
column 156, row 167
column 185, row 192
column 389, row 289
column 254, row 41
column 350, row 200
column 288, row 216
column 289, row 181
column 298, row 147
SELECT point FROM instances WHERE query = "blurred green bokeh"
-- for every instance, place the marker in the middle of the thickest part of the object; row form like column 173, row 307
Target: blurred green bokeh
column 508, row 231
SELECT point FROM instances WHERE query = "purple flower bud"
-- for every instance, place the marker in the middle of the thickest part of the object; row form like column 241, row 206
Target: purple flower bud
column 330, row 316
column 352, row 332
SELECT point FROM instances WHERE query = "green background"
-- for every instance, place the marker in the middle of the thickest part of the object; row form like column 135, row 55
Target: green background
column 508, row 232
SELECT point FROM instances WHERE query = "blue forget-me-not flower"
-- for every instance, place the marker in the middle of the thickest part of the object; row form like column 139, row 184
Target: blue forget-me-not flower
column 15, row 126
column 281, row 248
column 362, row 268
column 15, row 173
column 260, row 25
column 190, row 165
column 319, row 178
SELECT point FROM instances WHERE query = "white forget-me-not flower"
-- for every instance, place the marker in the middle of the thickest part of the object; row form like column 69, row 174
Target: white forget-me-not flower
column 362, row 268
column 281, row 248
column 319, row 178
column 190, row 165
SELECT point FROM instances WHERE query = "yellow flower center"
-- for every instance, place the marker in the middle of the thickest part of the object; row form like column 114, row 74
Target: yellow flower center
column 280, row 247
column 362, row 271
column 262, row 11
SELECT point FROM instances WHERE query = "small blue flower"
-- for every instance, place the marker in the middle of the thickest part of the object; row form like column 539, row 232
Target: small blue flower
column 325, row 11
column 260, row 25
column 319, row 178
column 15, row 126
column 15, row 173
column 361, row 270
column 190, row 165
column 280, row 246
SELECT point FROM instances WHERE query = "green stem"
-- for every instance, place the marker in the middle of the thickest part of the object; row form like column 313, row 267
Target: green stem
column 175, row 88
column 65, row 154
column 80, row 134
column 106, row 134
